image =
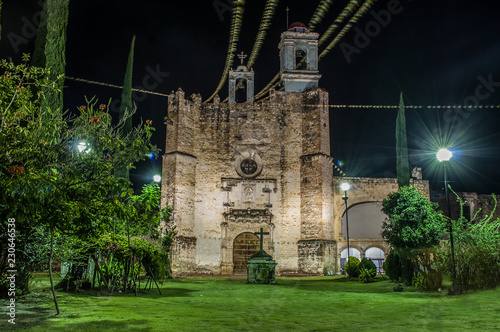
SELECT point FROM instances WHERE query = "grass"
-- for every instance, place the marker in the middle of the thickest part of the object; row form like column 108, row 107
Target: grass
column 295, row 304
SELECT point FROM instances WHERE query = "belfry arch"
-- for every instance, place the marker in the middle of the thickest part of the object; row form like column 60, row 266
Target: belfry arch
column 241, row 79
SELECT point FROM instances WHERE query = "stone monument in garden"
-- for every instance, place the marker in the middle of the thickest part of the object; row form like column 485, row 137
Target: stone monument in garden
column 261, row 267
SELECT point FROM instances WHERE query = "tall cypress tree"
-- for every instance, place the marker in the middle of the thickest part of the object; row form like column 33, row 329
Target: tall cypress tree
column 50, row 49
column 402, row 165
column 126, row 104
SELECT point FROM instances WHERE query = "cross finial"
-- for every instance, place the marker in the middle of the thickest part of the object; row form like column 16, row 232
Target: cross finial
column 261, row 233
column 242, row 56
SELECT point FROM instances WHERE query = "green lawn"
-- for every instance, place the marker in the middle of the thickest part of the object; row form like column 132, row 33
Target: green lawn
column 295, row 304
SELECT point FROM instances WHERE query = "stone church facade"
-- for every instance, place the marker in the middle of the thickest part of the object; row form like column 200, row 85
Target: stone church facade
column 230, row 169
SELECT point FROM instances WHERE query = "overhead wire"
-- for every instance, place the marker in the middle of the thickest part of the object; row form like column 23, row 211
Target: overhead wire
column 436, row 107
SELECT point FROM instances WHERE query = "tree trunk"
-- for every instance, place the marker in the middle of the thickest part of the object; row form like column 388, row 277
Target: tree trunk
column 100, row 273
column 50, row 270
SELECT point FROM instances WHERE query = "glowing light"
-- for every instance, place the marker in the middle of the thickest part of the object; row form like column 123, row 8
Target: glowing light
column 82, row 146
column 444, row 155
column 345, row 186
column 157, row 178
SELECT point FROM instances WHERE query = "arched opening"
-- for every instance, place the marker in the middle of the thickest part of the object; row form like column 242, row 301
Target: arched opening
column 240, row 95
column 300, row 59
column 377, row 256
column 365, row 221
column 353, row 252
column 245, row 245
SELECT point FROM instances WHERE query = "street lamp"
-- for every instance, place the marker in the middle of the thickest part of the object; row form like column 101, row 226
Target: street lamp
column 157, row 178
column 445, row 155
column 345, row 187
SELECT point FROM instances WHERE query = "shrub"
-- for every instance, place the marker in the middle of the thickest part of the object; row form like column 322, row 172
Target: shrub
column 366, row 275
column 368, row 265
column 352, row 267
column 392, row 266
column 477, row 250
column 419, row 281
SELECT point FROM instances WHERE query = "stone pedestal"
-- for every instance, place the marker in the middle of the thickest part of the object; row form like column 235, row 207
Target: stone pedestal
column 261, row 269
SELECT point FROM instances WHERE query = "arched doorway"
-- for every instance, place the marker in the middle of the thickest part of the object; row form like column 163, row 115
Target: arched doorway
column 377, row 256
column 353, row 252
column 245, row 245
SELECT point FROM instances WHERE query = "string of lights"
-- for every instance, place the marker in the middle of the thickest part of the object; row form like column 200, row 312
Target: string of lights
column 307, row 105
column 265, row 23
column 348, row 10
column 409, row 106
column 367, row 5
column 283, row 106
column 317, row 17
column 319, row 14
column 236, row 23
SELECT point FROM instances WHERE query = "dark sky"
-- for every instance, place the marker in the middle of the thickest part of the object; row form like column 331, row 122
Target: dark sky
column 436, row 52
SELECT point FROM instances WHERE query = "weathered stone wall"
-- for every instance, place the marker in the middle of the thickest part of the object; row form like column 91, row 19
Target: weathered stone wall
column 479, row 204
column 364, row 190
column 179, row 175
column 222, row 204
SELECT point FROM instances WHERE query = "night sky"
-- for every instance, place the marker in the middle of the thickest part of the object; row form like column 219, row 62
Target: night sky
column 436, row 52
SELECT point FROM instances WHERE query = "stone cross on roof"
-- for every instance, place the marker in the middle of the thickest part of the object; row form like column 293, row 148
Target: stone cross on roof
column 261, row 233
column 242, row 56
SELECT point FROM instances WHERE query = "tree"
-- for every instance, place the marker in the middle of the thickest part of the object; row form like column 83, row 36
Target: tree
column 50, row 49
column 126, row 102
column 59, row 172
column 402, row 166
column 414, row 228
column 126, row 106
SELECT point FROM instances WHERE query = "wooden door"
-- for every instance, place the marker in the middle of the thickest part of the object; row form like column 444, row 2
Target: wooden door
column 245, row 245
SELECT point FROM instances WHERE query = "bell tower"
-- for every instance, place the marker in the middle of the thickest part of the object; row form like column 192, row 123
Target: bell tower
column 299, row 58
column 241, row 79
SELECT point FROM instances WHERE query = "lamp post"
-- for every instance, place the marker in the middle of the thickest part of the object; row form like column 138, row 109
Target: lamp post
column 445, row 155
column 345, row 187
